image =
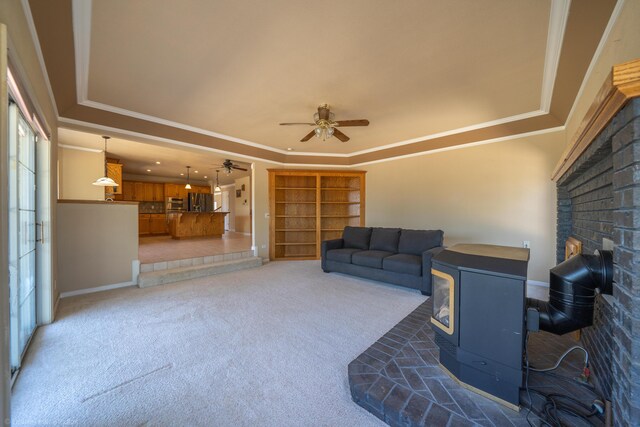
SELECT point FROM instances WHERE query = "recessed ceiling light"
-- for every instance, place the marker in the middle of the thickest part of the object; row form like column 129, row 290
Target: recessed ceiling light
column 157, row 163
column 195, row 171
column 148, row 170
column 205, row 176
column 289, row 149
column 181, row 174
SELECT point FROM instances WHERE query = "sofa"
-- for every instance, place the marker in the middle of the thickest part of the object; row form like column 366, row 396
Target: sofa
column 392, row 255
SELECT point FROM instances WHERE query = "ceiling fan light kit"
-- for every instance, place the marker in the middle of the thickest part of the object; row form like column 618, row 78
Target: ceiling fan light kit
column 325, row 125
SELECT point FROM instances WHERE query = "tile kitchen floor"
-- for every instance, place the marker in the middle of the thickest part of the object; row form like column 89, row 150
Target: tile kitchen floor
column 163, row 248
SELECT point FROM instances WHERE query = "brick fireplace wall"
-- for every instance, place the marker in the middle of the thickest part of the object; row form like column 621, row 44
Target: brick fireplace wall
column 599, row 197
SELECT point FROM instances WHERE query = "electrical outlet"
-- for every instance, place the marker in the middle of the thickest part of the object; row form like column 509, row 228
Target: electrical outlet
column 266, row 215
column 526, row 244
column 264, row 246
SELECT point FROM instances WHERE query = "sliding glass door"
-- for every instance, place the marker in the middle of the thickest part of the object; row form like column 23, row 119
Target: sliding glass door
column 22, row 234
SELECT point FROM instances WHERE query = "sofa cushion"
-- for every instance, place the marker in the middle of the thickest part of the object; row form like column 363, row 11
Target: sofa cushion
column 341, row 255
column 403, row 263
column 356, row 237
column 414, row 242
column 385, row 239
column 371, row 259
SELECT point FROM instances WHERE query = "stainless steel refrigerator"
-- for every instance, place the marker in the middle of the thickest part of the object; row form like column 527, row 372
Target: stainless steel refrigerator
column 199, row 202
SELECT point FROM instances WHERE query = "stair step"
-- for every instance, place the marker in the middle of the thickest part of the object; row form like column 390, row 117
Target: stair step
column 163, row 277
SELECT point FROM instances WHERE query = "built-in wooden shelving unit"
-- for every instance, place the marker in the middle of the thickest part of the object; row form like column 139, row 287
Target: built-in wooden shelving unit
column 310, row 206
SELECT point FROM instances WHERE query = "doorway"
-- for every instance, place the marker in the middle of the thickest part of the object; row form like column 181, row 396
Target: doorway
column 22, row 235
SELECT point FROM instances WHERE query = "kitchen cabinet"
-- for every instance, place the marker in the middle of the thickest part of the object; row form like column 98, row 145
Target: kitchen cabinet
column 158, row 192
column 144, row 224
column 114, row 171
column 127, row 190
column 171, row 190
column 152, row 224
column 138, row 191
column 157, row 223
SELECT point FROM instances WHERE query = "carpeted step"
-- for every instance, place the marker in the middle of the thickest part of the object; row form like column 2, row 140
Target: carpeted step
column 163, row 277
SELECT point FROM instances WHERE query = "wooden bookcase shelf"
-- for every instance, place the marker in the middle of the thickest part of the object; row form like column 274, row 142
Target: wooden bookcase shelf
column 309, row 206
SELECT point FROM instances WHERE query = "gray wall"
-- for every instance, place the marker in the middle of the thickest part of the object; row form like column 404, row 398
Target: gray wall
column 97, row 243
column 599, row 197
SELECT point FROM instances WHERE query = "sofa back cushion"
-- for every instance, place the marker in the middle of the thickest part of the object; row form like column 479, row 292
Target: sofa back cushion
column 385, row 239
column 356, row 237
column 414, row 242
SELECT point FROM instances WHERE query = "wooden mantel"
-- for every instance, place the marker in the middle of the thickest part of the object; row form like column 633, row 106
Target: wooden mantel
column 622, row 84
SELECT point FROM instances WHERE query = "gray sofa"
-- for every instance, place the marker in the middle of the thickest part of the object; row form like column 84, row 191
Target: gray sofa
column 393, row 255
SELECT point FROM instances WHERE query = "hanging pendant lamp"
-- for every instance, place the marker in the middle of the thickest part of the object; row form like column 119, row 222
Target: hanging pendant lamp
column 188, row 186
column 105, row 181
column 217, row 188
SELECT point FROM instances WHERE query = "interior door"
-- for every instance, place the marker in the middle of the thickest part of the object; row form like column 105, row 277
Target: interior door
column 225, row 208
column 22, row 234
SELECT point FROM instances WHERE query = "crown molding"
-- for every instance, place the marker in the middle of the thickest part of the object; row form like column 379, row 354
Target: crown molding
column 596, row 56
column 75, row 147
column 36, row 43
column 81, row 16
column 558, row 16
column 144, row 136
column 622, row 84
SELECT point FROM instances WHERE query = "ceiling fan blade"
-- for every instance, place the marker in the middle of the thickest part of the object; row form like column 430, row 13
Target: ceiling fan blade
column 236, row 167
column 341, row 136
column 361, row 122
column 308, row 136
column 290, row 124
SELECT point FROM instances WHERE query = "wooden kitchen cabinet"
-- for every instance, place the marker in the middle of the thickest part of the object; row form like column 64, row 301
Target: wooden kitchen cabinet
column 157, row 223
column 138, row 191
column 114, row 171
column 127, row 190
column 144, row 224
column 171, row 190
column 158, row 192
column 152, row 224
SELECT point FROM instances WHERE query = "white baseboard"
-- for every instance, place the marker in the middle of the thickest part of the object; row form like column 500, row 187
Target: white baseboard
column 96, row 289
column 55, row 308
column 537, row 283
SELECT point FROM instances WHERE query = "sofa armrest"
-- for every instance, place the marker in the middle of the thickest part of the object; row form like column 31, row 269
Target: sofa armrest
column 327, row 245
column 427, row 256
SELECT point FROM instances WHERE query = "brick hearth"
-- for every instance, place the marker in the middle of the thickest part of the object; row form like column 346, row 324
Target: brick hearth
column 399, row 380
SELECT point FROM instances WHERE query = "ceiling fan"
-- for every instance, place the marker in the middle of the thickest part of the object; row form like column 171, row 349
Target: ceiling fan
column 229, row 166
column 325, row 125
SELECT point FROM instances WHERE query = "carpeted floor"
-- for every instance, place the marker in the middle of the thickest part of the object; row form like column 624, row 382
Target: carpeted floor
column 268, row 346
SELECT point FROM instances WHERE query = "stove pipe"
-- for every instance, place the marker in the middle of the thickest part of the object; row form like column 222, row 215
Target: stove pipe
column 572, row 292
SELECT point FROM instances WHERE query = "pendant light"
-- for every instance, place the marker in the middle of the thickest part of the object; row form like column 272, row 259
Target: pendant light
column 188, row 186
column 105, row 181
column 217, row 188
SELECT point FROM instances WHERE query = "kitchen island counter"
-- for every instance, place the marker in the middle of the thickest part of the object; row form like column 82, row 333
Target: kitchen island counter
column 184, row 225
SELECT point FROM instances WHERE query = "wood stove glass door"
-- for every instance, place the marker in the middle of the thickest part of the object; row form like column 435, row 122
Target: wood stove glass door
column 443, row 301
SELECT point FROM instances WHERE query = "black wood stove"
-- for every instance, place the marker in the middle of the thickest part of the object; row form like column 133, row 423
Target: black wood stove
column 479, row 303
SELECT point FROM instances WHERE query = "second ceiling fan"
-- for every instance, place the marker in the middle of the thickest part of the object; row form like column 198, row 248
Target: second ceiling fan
column 325, row 125
column 229, row 166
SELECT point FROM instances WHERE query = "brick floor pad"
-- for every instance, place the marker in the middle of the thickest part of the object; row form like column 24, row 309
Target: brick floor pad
column 399, row 380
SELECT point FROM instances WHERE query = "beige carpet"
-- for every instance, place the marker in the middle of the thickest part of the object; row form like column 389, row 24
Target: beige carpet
column 262, row 347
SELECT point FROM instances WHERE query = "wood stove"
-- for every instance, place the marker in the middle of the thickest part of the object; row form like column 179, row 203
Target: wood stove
column 478, row 317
